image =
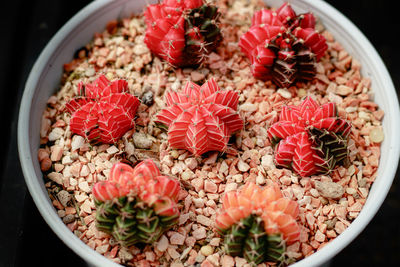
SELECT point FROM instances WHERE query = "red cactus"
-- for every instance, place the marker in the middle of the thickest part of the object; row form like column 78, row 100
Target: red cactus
column 182, row 32
column 283, row 46
column 201, row 118
column 104, row 112
column 309, row 138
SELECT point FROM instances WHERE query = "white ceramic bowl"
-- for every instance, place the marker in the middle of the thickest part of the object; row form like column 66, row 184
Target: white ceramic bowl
column 46, row 73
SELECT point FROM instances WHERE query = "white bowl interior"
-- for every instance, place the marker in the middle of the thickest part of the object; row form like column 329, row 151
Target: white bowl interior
column 45, row 77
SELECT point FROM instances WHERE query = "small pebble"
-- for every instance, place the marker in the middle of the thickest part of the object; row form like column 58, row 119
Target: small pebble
column 56, row 177
column 199, row 233
column 64, row 197
column 45, row 164
column 148, row 98
column 207, row 250
column 140, row 49
column 343, row 90
column 301, row 92
column 351, row 191
column 186, row 175
column 177, row 239
column 55, row 134
column 285, row 93
column 125, row 255
column 112, row 150
column 197, row 76
column 329, row 189
column 376, row 135
column 77, row 142
column 191, row 163
column 150, row 256
column 174, row 153
column 69, row 218
column 56, row 153
column 227, row 261
column 243, row 166
column 248, row 107
column 84, row 186
column 162, row 243
column 224, row 168
column 214, row 259
column 215, row 241
column 210, row 186
column 142, row 141
column 204, row 220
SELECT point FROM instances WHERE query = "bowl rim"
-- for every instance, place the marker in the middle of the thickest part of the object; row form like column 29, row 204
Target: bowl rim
column 41, row 201
column 91, row 256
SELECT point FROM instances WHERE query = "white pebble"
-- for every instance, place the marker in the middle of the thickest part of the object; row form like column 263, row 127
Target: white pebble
column 77, row 142
column 243, row 166
column 84, row 186
column 207, row 250
column 284, row 93
column 162, row 244
column 249, row 107
column 112, row 150
column 56, row 134
column 376, row 135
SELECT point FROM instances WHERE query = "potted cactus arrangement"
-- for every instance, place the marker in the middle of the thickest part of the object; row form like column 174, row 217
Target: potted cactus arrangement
column 211, row 133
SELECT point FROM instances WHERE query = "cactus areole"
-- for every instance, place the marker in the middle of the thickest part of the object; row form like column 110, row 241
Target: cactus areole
column 310, row 139
column 283, row 46
column 200, row 118
column 136, row 205
column 104, row 111
column 257, row 223
column 182, row 32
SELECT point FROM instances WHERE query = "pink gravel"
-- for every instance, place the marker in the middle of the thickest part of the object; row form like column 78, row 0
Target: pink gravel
column 328, row 204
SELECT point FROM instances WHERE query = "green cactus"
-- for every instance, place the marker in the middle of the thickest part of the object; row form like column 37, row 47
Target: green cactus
column 130, row 221
column 247, row 238
column 276, row 248
column 203, row 20
column 330, row 146
column 255, row 244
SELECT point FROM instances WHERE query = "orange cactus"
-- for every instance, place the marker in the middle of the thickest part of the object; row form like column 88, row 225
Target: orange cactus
column 250, row 213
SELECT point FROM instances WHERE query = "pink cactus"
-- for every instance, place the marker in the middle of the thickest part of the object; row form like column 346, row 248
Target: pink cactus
column 201, row 118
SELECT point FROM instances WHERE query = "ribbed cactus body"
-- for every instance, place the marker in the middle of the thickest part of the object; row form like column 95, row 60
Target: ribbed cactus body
column 202, row 34
column 283, row 46
column 201, row 118
column 310, row 138
column 131, row 221
column 256, row 246
column 248, row 238
column 257, row 223
column 276, row 248
column 136, row 205
column 330, row 146
column 235, row 236
column 182, row 33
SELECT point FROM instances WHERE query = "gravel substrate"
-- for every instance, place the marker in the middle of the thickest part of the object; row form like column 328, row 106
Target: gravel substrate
column 328, row 204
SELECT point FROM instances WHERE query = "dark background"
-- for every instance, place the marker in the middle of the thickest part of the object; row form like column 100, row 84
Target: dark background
column 26, row 240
